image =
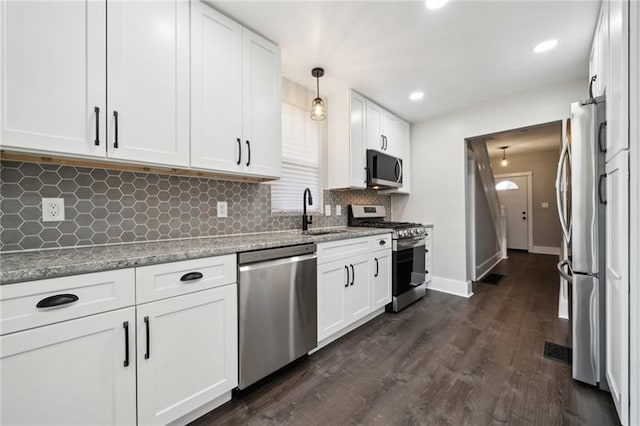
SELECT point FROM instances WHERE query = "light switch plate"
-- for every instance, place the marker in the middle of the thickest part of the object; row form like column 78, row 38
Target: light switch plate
column 52, row 209
column 545, row 205
column 327, row 209
column 338, row 210
column 222, row 209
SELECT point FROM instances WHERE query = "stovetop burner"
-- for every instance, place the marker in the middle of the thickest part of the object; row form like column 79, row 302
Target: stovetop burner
column 374, row 217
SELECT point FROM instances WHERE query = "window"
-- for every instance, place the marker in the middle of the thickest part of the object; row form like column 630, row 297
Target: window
column 300, row 162
column 505, row 185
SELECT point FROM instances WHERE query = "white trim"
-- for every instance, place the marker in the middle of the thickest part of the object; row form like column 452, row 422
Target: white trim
column 488, row 265
column 545, row 250
column 449, row 286
column 204, row 409
column 470, row 208
column 347, row 329
column 529, row 177
column 634, row 214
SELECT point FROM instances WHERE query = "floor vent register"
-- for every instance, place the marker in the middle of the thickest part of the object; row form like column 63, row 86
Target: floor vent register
column 557, row 352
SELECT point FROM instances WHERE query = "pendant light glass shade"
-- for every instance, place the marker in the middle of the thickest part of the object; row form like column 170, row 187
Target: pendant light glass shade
column 504, row 162
column 317, row 110
column 317, row 106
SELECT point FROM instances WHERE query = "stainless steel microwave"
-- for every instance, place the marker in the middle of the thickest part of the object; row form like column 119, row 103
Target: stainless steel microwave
column 383, row 170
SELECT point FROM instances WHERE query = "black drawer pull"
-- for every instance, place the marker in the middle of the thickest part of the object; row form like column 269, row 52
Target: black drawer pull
column 382, row 242
column 347, row 283
column 126, row 343
column 146, row 325
column 191, row 276
column 57, row 300
column 353, row 274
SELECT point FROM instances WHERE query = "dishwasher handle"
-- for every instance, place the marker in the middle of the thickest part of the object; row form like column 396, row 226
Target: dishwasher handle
column 277, row 262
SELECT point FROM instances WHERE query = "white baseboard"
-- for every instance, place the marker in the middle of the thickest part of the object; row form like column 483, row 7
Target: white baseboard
column 449, row 286
column 324, row 342
column 545, row 250
column 204, row 409
column 486, row 266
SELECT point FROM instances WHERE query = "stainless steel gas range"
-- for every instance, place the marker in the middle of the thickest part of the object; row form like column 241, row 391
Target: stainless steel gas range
column 408, row 266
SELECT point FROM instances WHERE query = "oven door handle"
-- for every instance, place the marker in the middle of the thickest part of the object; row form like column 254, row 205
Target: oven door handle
column 410, row 243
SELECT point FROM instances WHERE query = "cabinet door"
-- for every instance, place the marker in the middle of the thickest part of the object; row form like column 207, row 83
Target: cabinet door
column 617, row 283
column 73, row 372
column 261, row 86
column 618, row 87
column 333, row 278
column 148, row 81
column 603, row 48
column 216, row 90
column 403, row 145
column 359, row 291
column 381, row 281
column 53, row 80
column 390, row 133
column 358, row 147
column 187, row 353
column 374, row 127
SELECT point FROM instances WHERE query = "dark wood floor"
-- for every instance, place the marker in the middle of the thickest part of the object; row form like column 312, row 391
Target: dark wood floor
column 445, row 360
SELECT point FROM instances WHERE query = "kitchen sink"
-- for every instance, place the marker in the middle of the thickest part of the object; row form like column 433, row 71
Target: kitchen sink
column 323, row 231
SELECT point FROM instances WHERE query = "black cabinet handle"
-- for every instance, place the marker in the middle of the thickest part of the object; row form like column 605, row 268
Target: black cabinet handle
column 353, row 274
column 347, row 268
column 146, row 325
column 57, row 300
column 386, row 143
column 377, row 267
column 115, row 133
column 239, row 151
column 593, row 80
column 382, row 142
column 97, row 140
column 426, row 250
column 191, row 276
column 603, row 126
column 426, row 271
column 382, row 242
column 126, row 343
column 248, row 153
column 600, row 181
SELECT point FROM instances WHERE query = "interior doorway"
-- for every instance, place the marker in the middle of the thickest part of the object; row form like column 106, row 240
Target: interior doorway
column 514, row 193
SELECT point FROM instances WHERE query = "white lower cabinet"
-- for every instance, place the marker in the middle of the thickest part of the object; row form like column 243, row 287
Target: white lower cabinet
column 81, row 371
column 187, row 353
column 352, row 287
column 381, row 279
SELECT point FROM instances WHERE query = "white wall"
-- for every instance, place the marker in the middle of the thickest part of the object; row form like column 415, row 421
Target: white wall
column 438, row 157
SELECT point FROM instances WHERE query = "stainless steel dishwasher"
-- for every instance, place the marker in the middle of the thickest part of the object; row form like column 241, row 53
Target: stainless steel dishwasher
column 277, row 309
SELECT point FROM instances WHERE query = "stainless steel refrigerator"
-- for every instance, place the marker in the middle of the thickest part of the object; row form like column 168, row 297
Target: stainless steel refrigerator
column 583, row 157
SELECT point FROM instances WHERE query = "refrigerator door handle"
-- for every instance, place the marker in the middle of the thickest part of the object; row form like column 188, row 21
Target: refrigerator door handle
column 564, row 155
column 567, row 276
column 593, row 325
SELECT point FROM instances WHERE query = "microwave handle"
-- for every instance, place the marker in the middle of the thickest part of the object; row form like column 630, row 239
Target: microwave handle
column 398, row 170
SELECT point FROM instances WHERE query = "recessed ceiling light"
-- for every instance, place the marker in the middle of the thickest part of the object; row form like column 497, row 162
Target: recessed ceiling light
column 435, row 4
column 416, row 96
column 545, row 45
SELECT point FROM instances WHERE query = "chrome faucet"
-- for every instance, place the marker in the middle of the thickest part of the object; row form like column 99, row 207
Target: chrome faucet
column 306, row 220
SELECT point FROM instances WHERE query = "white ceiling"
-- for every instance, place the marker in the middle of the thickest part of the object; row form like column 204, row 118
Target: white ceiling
column 524, row 141
column 465, row 53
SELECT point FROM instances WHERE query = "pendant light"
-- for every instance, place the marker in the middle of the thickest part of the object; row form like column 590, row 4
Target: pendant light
column 504, row 162
column 317, row 106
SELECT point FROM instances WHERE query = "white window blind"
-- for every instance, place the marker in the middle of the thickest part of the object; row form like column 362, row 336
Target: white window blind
column 300, row 162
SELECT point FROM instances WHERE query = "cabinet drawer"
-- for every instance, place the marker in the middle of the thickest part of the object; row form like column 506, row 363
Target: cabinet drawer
column 337, row 250
column 381, row 242
column 157, row 282
column 86, row 294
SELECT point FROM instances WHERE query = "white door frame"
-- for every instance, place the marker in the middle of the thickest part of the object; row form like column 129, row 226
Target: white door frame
column 528, row 175
column 470, row 182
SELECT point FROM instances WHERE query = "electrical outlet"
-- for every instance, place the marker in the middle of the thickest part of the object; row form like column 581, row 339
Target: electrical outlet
column 222, row 209
column 338, row 210
column 327, row 209
column 52, row 209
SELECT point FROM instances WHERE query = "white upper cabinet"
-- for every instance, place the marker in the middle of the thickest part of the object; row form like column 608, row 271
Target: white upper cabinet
column 261, row 96
column 618, row 79
column 235, row 97
column 216, row 88
column 599, row 54
column 347, row 147
column 148, row 81
column 375, row 136
column 53, row 96
column 403, row 150
column 389, row 131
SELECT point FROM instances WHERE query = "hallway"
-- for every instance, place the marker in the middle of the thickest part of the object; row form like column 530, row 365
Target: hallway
column 445, row 360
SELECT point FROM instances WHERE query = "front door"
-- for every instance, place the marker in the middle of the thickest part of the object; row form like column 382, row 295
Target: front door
column 514, row 198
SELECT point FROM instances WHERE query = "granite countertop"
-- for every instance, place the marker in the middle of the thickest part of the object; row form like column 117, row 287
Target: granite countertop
column 35, row 265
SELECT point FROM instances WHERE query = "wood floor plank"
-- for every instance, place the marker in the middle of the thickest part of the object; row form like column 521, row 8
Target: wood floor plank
column 445, row 360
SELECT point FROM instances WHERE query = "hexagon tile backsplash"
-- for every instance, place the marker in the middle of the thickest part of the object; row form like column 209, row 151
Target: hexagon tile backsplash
column 106, row 206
